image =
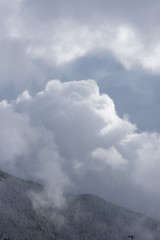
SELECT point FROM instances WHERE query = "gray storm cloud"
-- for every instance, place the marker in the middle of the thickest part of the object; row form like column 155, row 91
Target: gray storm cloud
column 70, row 138
column 56, row 33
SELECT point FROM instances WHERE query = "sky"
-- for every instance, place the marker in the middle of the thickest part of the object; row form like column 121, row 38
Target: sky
column 79, row 98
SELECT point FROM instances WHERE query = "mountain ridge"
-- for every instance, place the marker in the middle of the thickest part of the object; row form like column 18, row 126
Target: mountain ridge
column 85, row 216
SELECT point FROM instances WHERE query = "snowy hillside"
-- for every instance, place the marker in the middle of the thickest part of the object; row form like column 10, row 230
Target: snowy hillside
column 85, row 217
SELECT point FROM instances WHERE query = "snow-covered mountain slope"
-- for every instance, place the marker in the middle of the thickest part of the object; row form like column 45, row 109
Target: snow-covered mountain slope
column 85, row 217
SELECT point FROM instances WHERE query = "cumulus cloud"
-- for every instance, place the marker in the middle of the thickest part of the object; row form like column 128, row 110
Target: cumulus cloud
column 44, row 40
column 68, row 135
column 70, row 138
column 109, row 157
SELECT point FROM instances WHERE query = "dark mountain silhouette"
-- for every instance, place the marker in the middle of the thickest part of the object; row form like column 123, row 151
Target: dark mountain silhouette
column 85, row 217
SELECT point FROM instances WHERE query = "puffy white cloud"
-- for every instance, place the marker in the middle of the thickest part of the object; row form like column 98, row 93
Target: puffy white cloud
column 45, row 39
column 109, row 157
column 69, row 129
column 69, row 137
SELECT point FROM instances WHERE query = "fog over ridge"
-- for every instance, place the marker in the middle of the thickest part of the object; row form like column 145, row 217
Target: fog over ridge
column 70, row 138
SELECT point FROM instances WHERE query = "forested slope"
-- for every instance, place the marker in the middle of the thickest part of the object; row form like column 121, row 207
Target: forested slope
column 84, row 217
